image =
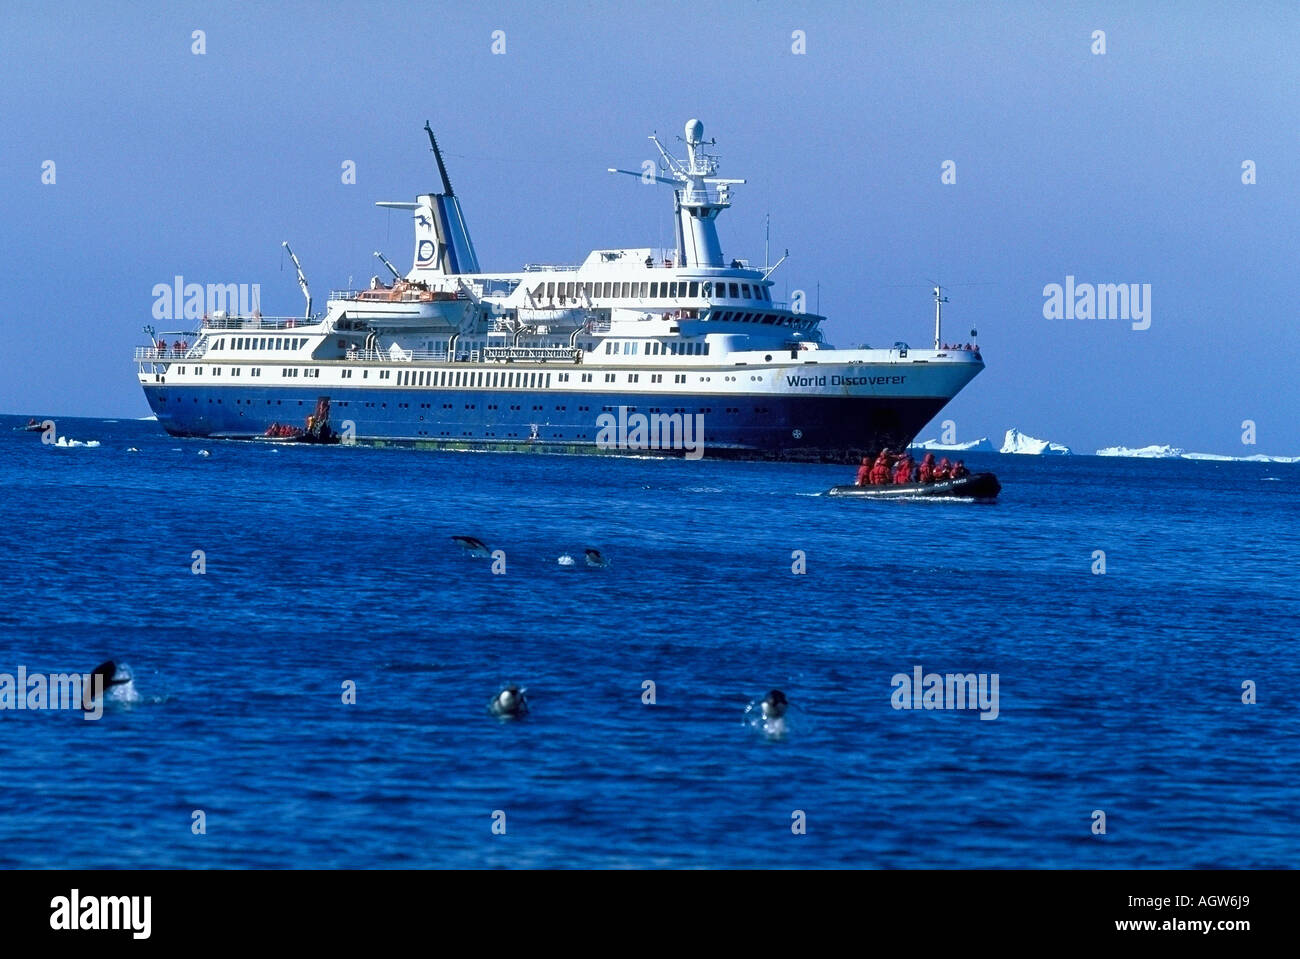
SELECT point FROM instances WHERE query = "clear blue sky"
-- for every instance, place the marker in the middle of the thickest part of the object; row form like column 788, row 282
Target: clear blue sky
column 1119, row 168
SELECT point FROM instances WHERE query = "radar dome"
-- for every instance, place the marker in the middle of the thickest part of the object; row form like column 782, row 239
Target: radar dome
column 694, row 131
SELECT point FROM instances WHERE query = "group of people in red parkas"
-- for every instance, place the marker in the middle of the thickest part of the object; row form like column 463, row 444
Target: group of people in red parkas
column 897, row 469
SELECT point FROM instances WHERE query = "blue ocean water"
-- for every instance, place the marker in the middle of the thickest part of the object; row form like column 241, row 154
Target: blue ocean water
column 1119, row 692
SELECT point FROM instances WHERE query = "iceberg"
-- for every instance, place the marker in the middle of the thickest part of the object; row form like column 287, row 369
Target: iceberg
column 981, row 445
column 1018, row 442
column 1145, row 452
column 1256, row 458
column 1173, row 452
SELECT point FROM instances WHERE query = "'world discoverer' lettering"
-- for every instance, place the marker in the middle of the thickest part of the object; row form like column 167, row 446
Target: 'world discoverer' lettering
column 846, row 380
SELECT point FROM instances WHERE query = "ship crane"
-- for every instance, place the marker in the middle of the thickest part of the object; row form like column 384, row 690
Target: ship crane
column 391, row 269
column 302, row 280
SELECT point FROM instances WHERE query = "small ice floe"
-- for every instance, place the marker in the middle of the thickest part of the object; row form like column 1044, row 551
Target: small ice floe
column 472, row 545
column 66, row 443
column 510, row 703
column 769, row 715
column 132, row 449
column 567, row 560
column 204, row 453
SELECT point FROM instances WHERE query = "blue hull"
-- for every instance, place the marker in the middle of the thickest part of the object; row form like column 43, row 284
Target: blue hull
column 819, row 428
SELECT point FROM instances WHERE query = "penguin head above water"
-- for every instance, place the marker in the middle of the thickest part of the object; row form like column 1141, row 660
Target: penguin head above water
column 774, row 704
column 594, row 557
column 510, row 703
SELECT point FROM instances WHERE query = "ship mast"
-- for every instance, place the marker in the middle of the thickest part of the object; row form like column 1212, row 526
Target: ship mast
column 695, row 205
column 939, row 300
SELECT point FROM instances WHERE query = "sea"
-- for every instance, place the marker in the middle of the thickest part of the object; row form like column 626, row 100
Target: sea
column 312, row 657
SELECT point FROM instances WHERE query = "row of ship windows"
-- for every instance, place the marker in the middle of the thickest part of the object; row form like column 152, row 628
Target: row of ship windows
column 262, row 343
column 506, row 379
column 516, row 408
column 656, row 348
column 449, row 378
column 654, row 291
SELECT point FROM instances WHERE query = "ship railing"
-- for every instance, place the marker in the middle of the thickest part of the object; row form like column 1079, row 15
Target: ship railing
column 402, row 356
column 257, row 322
column 556, row 267
column 693, row 196
column 535, row 354
column 592, row 325
column 410, row 296
column 150, row 354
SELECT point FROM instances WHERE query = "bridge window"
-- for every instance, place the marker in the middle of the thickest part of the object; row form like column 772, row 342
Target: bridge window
column 654, row 290
column 695, row 290
column 735, row 290
column 744, row 290
column 550, row 291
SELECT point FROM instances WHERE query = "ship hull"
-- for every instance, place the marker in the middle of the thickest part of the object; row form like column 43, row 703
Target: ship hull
column 762, row 426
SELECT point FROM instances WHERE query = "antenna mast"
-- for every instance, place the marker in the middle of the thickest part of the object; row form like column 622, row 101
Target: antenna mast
column 437, row 155
column 939, row 300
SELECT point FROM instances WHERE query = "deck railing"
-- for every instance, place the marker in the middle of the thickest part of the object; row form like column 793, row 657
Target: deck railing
column 257, row 322
column 151, row 354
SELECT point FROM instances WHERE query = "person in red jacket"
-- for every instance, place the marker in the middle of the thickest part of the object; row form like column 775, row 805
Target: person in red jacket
column 903, row 472
column 927, row 469
column 864, row 472
column 880, row 470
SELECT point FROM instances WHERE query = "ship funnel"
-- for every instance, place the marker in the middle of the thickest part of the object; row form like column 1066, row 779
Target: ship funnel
column 442, row 243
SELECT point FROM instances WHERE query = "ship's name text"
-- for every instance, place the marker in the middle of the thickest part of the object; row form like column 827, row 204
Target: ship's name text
column 845, row 380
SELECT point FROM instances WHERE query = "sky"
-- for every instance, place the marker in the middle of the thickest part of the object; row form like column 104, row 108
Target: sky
column 1122, row 166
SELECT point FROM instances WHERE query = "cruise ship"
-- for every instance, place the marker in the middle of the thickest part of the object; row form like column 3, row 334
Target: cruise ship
column 547, row 358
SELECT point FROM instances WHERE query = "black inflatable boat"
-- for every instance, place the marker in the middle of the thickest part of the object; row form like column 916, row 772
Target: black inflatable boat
column 976, row 486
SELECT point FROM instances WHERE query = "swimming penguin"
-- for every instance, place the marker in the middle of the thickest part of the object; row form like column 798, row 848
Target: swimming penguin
column 472, row 545
column 109, row 676
column 510, row 703
column 774, row 705
column 594, row 558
